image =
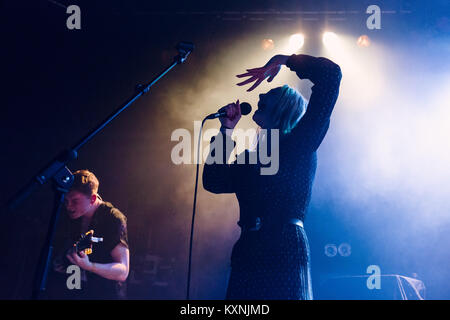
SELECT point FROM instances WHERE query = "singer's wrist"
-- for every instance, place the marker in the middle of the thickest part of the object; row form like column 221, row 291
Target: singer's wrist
column 280, row 59
column 226, row 130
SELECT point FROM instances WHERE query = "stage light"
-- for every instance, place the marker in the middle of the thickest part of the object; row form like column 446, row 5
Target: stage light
column 330, row 39
column 296, row 41
column 267, row 44
column 345, row 249
column 331, row 250
column 363, row 41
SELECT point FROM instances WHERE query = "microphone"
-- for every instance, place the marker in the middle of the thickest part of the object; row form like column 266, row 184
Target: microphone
column 246, row 108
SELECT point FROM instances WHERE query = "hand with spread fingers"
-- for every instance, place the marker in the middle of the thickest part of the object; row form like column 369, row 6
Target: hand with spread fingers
column 270, row 70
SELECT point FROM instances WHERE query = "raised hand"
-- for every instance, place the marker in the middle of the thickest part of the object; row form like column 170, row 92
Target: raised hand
column 270, row 70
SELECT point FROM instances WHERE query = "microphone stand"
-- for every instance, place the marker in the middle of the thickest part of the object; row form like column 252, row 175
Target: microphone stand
column 62, row 177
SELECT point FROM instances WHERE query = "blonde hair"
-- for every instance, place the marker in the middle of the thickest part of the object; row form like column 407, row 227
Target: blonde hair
column 289, row 110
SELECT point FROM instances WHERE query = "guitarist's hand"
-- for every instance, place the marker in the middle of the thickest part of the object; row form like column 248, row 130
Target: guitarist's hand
column 80, row 259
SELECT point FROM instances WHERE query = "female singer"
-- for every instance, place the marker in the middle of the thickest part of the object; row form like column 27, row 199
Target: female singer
column 271, row 258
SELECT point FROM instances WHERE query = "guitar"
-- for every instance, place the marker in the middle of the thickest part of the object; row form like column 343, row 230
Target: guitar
column 61, row 263
column 84, row 244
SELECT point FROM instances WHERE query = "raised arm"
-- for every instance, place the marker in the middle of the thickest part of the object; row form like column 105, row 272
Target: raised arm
column 321, row 71
column 326, row 77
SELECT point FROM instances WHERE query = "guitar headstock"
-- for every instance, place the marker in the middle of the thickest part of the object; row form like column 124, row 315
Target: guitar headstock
column 85, row 242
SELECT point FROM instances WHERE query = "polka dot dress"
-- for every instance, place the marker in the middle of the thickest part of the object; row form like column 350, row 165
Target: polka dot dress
column 271, row 258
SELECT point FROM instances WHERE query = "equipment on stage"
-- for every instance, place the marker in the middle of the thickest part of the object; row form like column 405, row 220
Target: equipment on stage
column 246, row 108
column 62, row 178
column 392, row 287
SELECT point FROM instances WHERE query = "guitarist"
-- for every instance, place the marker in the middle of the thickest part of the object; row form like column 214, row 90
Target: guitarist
column 107, row 268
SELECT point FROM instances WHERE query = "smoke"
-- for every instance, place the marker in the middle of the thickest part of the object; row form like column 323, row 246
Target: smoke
column 384, row 163
column 383, row 168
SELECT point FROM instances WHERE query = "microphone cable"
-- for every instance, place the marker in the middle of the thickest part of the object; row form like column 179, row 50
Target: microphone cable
column 245, row 109
column 193, row 211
